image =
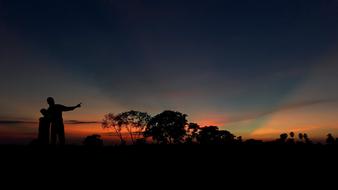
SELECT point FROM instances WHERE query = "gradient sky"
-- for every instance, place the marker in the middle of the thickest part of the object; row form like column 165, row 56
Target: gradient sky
column 256, row 68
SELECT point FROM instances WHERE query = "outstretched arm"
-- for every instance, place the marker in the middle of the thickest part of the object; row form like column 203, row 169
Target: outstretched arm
column 71, row 108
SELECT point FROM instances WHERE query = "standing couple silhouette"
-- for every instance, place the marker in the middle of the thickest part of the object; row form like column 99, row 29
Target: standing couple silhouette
column 52, row 121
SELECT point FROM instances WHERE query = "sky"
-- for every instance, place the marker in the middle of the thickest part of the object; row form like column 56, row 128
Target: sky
column 255, row 68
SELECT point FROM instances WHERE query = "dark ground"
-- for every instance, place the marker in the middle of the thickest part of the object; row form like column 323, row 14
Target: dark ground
column 172, row 163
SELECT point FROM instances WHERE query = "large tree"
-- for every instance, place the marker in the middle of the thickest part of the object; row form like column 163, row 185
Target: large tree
column 110, row 121
column 212, row 135
column 167, row 127
column 132, row 121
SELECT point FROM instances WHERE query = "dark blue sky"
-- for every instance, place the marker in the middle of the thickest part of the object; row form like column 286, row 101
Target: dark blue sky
column 206, row 58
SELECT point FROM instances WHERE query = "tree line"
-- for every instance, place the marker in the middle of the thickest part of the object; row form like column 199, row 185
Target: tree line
column 168, row 127
column 172, row 127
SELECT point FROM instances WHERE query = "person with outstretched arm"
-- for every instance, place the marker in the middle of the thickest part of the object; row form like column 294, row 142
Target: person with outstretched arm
column 57, row 126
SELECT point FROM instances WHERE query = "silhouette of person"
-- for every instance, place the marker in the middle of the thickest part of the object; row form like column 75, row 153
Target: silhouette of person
column 57, row 126
column 44, row 125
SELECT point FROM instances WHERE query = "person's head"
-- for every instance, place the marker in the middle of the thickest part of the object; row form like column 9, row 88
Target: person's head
column 43, row 112
column 50, row 101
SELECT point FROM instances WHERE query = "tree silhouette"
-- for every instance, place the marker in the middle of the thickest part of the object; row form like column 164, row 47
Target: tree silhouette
column 212, row 135
column 208, row 135
column 239, row 140
column 282, row 138
column 134, row 122
column 225, row 137
column 300, row 138
column 330, row 139
column 111, row 121
column 93, row 141
column 291, row 140
column 307, row 139
column 192, row 132
column 167, row 127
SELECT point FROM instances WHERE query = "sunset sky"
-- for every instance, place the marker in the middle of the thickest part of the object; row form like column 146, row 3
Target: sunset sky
column 255, row 68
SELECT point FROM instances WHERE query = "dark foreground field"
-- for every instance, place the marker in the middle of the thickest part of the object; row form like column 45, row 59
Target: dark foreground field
column 171, row 162
column 162, row 155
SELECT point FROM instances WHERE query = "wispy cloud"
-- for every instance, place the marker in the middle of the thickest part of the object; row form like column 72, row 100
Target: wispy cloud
column 77, row 122
column 16, row 122
column 71, row 122
column 290, row 106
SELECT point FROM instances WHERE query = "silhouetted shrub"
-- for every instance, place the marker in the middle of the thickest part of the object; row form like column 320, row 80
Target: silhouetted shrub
column 282, row 138
column 291, row 140
column 253, row 142
column 307, row 139
column 93, row 141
